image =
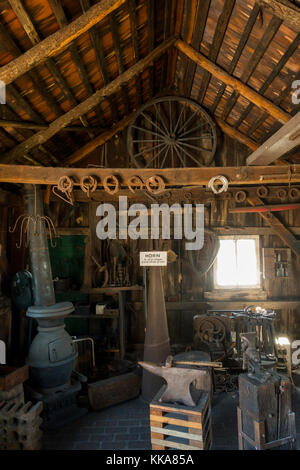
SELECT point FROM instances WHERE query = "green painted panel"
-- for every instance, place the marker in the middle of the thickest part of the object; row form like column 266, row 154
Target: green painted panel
column 67, row 260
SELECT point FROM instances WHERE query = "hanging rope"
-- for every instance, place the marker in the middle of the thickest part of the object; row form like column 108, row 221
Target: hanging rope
column 88, row 184
column 65, row 186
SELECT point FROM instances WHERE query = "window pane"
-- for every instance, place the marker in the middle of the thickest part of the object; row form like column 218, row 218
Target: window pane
column 247, row 270
column 226, row 273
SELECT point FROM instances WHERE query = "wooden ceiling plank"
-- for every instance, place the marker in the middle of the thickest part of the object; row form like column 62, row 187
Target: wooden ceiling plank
column 139, row 92
column 25, row 20
column 90, row 103
column 96, row 43
column 243, row 41
column 260, row 50
column 58, row 41
column 166, row 34
column 216, row 45
column 6, row 38
column 284, row 140
column 233, row 82
column 151, row 42
column 134, row 30
column 237, row 176
column 119, row 57
column 276, row 70
column 116, row 41
column 34, row 76
column 285, row 10
column 8, row 113
column 261, row 119
column 176, row 22
column 49, row 63
column 199, row 27
column 62, row 20
column 61, row 82
column 15, row 97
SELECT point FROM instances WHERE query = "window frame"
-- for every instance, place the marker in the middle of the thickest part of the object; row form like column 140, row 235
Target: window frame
column 257, row 286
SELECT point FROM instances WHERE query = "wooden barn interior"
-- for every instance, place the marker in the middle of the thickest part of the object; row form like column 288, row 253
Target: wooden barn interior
column 149, row 224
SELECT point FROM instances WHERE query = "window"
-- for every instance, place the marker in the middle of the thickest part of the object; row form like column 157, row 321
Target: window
column 237, row 264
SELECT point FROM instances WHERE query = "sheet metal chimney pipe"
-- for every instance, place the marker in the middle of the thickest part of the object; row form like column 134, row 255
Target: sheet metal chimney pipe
column 157, row 342
column 43, row 290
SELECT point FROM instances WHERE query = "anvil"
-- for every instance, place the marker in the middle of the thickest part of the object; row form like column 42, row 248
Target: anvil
column 178, row 381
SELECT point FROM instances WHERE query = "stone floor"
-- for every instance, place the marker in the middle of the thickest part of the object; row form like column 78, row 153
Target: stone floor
column 126, row 426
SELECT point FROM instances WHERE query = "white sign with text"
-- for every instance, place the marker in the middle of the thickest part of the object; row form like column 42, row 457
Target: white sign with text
column 153, row 258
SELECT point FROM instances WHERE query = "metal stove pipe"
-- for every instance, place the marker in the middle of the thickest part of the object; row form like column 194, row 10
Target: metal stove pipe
column 43, row 290
column 157, row 343
column 52, row 352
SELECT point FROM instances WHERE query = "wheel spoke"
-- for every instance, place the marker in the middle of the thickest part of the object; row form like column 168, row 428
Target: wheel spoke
column 147, row 130
column 193, row 129
column 178, row 130
column 153, row 123
column 178, row 120
column 149, row 140
column 172, row 157
column 179, row 156
column 148, row 150
column 163, row 161
column 204, row 136
column 186, row 123
column 161, row 118
column 155, row 156
column 190, row 156
column 170, row 113
column 196, row 148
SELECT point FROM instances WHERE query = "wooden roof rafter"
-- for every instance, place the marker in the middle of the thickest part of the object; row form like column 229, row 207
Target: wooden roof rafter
column 261, row 48
column 212, row 69
column 75, row 55
column 220, row 31
column 58, row 41
column 84, row 107
column 284, row 9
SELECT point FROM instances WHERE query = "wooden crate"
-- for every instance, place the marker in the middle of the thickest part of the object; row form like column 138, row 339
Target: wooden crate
column 175, row 426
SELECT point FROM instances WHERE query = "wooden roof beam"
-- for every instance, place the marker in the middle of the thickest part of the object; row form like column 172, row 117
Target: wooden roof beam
column 33, row 125
column 285, row 10
column 237, row 176
column 58, row 41
column 98, row 141
column 88, row 104
column 283, row 141
column 233, row 82
column 234, row 134
column 35, row 39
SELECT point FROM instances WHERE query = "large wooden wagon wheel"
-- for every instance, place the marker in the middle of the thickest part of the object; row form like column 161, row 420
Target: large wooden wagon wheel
column 171, row 132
